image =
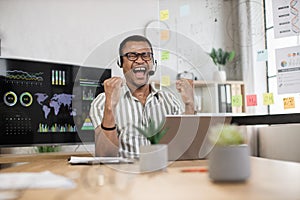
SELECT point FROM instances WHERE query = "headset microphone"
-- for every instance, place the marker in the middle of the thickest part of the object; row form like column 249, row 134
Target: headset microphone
column 151, row 72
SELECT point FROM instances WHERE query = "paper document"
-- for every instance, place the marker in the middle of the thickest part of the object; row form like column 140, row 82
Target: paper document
column 98, row 160
column 34, row 180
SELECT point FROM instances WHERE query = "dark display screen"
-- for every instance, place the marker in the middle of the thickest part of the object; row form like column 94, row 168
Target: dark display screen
column 47, row 103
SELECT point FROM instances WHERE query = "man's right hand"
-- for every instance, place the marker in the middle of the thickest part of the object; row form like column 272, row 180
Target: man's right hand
column 107, row 141
column 112, row 90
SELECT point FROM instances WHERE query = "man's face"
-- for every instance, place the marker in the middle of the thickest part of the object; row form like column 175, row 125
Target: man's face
column 137, row 71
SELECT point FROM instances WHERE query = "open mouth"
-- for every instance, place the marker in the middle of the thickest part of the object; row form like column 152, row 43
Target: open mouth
column 140, row 72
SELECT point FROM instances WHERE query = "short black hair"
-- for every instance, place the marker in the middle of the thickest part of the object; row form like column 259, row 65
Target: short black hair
column 134, row 38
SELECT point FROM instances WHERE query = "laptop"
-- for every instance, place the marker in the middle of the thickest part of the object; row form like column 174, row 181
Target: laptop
column 187, row 135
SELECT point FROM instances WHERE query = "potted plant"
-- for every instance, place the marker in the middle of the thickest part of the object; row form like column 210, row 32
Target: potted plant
column 221, row 57
column 229, row 159
column 155, row 156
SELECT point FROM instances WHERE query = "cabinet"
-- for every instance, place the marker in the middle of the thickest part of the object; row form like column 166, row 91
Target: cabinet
column 217, row 97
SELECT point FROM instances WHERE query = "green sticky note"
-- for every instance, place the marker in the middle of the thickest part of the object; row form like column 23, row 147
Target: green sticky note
column 268, row 98
column 237, row 100
column 165, row 55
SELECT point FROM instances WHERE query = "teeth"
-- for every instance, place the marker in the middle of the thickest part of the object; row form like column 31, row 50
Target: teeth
column 140, row 69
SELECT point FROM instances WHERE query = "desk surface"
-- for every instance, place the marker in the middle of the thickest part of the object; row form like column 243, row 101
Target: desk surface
column 270, row 179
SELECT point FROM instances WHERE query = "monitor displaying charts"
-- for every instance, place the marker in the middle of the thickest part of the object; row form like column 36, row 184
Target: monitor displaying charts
column 47, row 103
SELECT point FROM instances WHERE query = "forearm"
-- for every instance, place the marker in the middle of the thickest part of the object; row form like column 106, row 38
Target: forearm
column 106, row 136
column 107, row 141
column 189, row 108
column 108, row 115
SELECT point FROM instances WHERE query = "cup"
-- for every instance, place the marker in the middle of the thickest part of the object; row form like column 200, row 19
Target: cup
column 153, row 157
column 188, row 76
column 191, row 82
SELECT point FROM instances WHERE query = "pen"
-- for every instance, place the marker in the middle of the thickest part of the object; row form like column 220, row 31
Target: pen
column 202, row 169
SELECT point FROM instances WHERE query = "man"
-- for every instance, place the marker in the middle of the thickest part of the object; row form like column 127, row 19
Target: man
column 131, row 103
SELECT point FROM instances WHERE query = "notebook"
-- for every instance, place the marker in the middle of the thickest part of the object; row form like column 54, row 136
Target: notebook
column 187, row 135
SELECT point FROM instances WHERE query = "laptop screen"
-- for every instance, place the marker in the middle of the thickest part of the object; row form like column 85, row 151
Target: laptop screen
column 187, row 135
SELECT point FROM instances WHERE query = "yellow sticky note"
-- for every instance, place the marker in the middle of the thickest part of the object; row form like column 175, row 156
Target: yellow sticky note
column 164, row 35
column 268, row 98
column 165, row 55
column 164, row 15
column 237, row 100
column 289, row 102
column 165, row 80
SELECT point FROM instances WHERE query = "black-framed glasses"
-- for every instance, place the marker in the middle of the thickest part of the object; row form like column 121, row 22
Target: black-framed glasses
column 133, row 56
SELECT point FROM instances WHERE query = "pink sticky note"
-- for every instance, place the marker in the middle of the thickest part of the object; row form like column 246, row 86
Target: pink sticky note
column 251, row 100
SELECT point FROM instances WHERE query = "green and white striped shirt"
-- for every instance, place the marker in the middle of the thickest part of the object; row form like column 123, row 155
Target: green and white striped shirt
column 131, row 113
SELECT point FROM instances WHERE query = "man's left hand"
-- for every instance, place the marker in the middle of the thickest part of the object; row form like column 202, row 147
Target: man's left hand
column 186, row 89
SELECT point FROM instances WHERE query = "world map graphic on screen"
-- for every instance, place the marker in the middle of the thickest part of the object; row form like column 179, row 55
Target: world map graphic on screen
column 56, row 102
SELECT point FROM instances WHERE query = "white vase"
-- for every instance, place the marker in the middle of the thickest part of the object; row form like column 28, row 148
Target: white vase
column 229, row 163
column 219, row 76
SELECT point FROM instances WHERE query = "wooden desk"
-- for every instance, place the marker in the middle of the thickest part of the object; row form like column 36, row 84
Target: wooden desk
column 270, row 179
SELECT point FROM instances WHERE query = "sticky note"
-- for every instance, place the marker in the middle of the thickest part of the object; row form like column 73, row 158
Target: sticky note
column 251, row 100
column 164, row 35
column 262, row 55
column 268, row 98
column 165, row 55
column 164, row 15
column 237, row 100
column 184, row 10
column 289, row 102
column 165, row 80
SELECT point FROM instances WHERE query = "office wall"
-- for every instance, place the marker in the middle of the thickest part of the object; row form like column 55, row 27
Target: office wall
column 197, row 27
column 68, row 30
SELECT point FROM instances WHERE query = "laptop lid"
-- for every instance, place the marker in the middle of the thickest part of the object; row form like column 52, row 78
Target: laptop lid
column 187, row 135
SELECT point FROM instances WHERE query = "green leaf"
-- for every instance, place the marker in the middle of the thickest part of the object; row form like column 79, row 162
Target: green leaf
column 225, row 58
column 231, row 56
column 152, row 133
column 213, row 55
column 220, row 56
column 157, row 137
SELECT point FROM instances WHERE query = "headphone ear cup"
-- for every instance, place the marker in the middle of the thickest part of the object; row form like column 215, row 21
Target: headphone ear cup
column 119, row 62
